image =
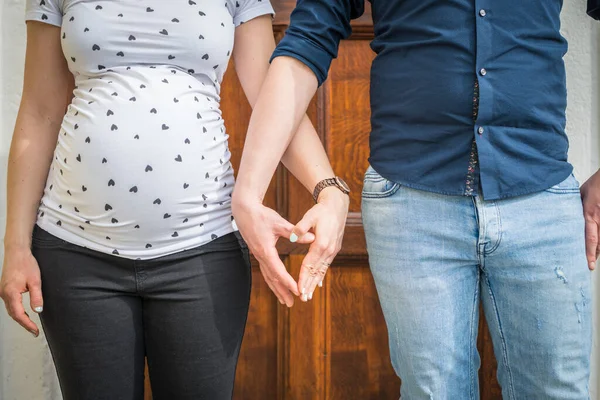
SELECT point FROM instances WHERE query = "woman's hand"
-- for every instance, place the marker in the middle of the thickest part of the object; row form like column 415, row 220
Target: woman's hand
column 327, row 219
column 21, row 274
column 47, row 89
column 261, row 227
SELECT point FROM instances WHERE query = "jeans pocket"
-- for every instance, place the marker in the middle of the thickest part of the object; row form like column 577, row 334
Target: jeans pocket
column 43, row 239
column 569, row 185
column 376, row 186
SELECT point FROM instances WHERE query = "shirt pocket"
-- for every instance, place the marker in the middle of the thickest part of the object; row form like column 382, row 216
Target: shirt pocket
column 376, row 186
column 569, row 185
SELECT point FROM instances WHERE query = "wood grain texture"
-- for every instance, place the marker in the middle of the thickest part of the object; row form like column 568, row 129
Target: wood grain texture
column 488, row 384
column 283, row 9
column 347, row 115
column 336, row 346
column 236, row 114
column 359, row 364
column 147, row 388
column 305, row 345
column 257, row 371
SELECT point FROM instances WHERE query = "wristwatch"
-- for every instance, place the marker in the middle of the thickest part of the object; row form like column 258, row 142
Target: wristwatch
column 336, row 181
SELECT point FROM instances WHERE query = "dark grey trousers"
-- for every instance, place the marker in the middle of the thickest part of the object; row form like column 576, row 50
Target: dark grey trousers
column 185, row 312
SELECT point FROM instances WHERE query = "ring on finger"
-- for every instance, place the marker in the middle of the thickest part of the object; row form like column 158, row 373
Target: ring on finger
column 312, row 270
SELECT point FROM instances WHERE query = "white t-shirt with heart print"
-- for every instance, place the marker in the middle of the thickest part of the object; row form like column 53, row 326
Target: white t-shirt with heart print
column 142, row 166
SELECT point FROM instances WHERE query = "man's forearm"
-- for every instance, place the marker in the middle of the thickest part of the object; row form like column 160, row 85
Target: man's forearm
column 277, row 116
column 306, row 158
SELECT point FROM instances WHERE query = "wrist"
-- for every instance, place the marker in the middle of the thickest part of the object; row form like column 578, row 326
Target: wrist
column 12, row 244
column 242, row 202
column 332, row 194
column 17, row 238
column 336, row 182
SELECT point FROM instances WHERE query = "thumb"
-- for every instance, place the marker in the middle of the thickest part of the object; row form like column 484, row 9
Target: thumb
column 35, row 298
column 282, row 227
column 300, row 233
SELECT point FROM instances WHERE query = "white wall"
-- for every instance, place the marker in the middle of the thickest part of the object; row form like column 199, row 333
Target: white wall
column 26, row 370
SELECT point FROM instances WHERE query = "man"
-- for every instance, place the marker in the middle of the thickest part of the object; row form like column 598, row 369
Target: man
column 469, row 195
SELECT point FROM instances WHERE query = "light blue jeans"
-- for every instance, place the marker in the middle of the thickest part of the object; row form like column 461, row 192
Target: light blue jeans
column 435, row 257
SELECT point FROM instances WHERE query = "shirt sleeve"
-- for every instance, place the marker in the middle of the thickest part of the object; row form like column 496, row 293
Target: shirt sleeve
column 47, row 11
column 245, row 10
column 316, row 28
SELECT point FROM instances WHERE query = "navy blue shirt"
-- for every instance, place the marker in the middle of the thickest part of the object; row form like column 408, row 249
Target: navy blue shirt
column 463, row 92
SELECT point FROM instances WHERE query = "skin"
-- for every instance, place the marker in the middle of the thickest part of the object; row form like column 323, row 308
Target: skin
column 278, row 113
column 47, row 91
column 260, row 226
column 590, row 196
column 285, row 96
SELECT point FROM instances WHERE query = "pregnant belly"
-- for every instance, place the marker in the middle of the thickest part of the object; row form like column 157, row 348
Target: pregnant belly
column 143, row 167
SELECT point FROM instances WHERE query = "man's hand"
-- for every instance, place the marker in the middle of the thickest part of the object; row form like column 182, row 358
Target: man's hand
column 261, row 227
column 327, row 219
column 590, row 195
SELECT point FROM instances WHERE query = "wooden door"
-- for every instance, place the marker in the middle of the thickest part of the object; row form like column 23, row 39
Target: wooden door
column 335, row 346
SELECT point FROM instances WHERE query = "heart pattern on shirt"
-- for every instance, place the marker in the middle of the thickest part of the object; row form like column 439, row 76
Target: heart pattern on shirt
column 160, row 168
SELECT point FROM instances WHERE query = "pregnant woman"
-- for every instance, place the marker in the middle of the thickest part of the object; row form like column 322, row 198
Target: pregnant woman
column 119, row 192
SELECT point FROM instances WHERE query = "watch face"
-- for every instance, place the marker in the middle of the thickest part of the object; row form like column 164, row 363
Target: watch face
column 342, row 184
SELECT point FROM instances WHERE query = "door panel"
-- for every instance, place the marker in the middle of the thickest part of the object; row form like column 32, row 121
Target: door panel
column 335, row 346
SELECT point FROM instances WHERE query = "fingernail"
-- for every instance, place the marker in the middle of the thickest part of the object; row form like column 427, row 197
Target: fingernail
column 310, row 296
column 304, row 297
column 34, row 333
column 592, row 265
column 303, row 290
column 38, row 309
column 293, row 238
column 281, row 301
column 321, row 284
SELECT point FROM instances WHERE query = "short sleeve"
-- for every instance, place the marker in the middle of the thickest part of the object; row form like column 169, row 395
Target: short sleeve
column 245, row 10
column 47, row 11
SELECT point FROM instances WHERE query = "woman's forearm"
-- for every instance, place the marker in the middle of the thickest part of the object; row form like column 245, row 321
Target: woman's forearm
column 47, row 89
column 29, row 160
column 277, row 116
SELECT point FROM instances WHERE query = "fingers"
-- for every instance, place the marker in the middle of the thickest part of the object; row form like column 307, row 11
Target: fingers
column 276, row 289
column 592, row 266
column 315, row 265
column 35, row 297
column 308, row 270
column 14, row 306
column 301, row 232
column 591, row 242
column 278, row 278
column 284, row 228
column 315, row 278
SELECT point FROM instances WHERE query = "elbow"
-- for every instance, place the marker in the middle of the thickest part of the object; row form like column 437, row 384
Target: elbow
column 316, row 57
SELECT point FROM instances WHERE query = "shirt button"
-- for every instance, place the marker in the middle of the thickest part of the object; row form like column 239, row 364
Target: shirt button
column 480, row 130
column 482, row 72
column 482, row 12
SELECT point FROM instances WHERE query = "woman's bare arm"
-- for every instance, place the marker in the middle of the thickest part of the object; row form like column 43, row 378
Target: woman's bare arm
column 302, row 153
column 47, row 90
